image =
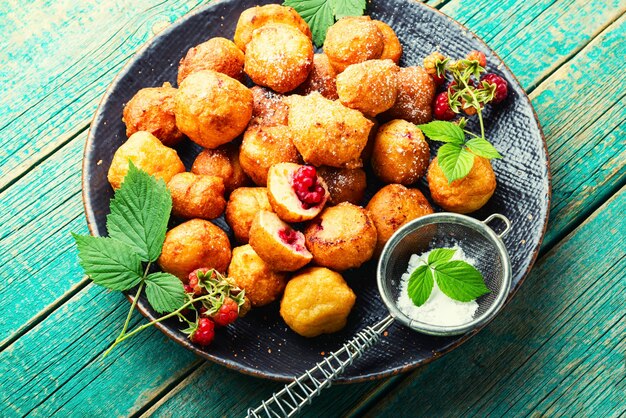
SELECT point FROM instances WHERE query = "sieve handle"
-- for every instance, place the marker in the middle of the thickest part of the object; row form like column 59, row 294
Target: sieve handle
column 295, row 395
column 503, row 219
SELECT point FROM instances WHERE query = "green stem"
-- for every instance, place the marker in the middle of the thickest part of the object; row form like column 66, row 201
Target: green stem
column 482, row 126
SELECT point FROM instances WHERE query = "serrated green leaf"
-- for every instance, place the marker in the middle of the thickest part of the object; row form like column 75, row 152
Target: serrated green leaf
column 442, row 131
column 165, row 292
column 460, row 281
column 482, row 148
column 455, row 161
column 139, row 214
column 108, row 262
column 343, row 8
column 420, row 285
column 318, row 14
column 440, row 255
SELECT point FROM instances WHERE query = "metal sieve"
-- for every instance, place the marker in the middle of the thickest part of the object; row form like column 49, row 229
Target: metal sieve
column 479, row 243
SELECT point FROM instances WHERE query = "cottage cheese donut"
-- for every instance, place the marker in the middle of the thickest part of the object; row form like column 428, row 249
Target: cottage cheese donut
column 197, row 196
column 416, row 92
column 352, row 40
column 344, row 184
column 217, row 54
column 392, row 49
column 222, row 162
column 321, row 79
column 242, row 207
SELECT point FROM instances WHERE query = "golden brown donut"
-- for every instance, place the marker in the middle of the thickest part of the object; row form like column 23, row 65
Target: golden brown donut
column 342, row 237
column 251, row 273
column 222, row 162
column 192, row 245
column 279, row 57
column 290, row 198
column 279, row 245
column 344, row 184
column 366, row 154
column 269, row 108
column 400, row 154
column 326, row 132
column 242, row 207
column 212, row 108
column 392, row 48
column 352, row 40
column 393, row 206
column 197, row 196
column 416, row 92
column 316, row 301
column 217, row 54
column 322, row 79
column 464, row 195
column 148, row 154
column 258, row 16
column 152, row 110
column 369, row 87
column 264, row 146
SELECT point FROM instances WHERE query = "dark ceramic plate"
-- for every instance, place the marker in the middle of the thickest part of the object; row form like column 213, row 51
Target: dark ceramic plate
column 261, row 344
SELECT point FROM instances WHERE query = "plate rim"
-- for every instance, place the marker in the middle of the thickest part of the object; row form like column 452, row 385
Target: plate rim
column 186, row 343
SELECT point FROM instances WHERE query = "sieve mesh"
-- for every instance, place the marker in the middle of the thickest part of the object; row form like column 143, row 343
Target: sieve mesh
column 477, row 241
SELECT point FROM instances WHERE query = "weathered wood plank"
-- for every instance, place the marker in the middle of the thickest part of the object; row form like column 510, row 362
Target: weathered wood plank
column 547, row 345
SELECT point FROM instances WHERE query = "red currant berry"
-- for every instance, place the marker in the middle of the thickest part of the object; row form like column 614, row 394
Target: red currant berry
column 205, row 332
column 442, row 107
column 502, row 88
column 227, row 314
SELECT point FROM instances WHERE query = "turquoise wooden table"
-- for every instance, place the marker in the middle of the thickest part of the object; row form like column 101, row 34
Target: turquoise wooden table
column 557, row 349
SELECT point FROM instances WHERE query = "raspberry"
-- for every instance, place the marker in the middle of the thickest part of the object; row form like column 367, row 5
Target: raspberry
column 193, row 283
column 430, row 65
column 478, row 56
column 205, row 332
column 288, row 235
column 227, row 314
column 502, row 88
column 308, row 190
column 442, row 107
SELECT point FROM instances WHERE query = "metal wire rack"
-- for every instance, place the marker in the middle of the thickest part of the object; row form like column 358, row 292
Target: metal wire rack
column 295, row 395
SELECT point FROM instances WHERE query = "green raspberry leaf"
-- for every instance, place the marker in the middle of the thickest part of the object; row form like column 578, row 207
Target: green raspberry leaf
column 108, row 262
column 440, row 255
column 139, row 214
column 455, row 161
column 318, row 14
column 442, row 131
column 482, row 148
column 165, row 292
column 343, row 8
column 460, row 281
column 420, row 285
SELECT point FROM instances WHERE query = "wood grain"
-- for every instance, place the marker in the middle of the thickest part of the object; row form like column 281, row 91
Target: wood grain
column 553, row 341
column 42, row 209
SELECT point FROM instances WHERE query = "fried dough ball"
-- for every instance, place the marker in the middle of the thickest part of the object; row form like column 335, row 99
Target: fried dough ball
column 268, row 108
column 393, row 206
column 401, row 153
column 352, row 40
column 251, row 273
column 342, row 237
column 416, row 92
column 148, row 154
column 326, row 132
column 464, row 195
column 192, row 245
column 242, row 207
column 279, row 57
column 197, row 196
column 222, row 162
column 217, row 54
column 264, row 146
column 152, row 110
column 296, row 192
column 212, row 108
column 369, row 86
column 279, row 245
column 255, row 17
column 316, row 301
column 322, row 79
column 344, row 184
column 392, row 48
column 366, row 154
